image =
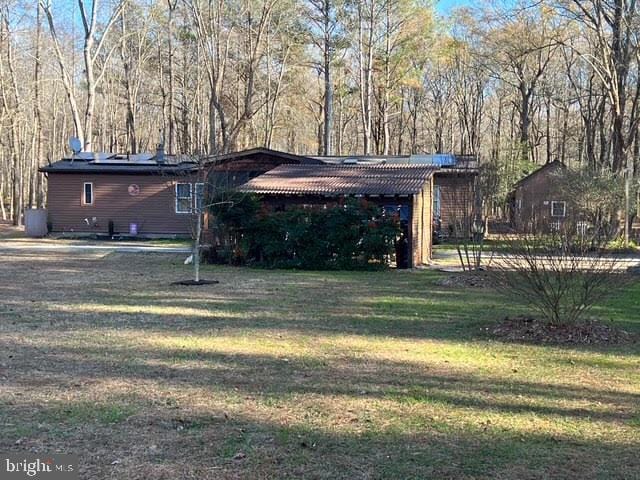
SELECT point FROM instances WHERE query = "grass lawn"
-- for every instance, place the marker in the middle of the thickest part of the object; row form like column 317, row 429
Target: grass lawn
column 275, row 374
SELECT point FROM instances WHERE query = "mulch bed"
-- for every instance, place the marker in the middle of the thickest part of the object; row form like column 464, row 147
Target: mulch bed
column 193, row 283
column 464, row 280
column 531, row 330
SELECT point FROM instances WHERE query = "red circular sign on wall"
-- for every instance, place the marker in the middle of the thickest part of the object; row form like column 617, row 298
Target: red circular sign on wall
column 133, row 190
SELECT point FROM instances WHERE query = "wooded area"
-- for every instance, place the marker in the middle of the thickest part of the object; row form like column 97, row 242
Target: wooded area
column 518, row 86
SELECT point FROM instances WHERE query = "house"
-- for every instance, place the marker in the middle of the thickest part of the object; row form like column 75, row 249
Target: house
column 405, row 190
column 538, row 201
column 155, row 194
column 146, row 195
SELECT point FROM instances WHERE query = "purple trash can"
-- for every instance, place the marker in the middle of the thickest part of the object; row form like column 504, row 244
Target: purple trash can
column 133, row 229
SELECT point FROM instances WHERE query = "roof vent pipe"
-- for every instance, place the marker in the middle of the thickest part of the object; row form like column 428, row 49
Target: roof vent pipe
column 160, row 153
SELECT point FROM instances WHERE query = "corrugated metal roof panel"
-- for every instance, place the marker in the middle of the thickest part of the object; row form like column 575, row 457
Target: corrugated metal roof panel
column 341, row 180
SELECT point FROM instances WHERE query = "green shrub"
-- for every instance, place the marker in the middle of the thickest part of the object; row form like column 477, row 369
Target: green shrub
column 619, row 246
column 354, row 235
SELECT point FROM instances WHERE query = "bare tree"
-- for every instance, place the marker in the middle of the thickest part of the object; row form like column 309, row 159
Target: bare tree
column 556, row 80
column 562, row 274
column 519, row 50
column 216, row 30
column 95, row 59
column 367, row 18
column 12, row 104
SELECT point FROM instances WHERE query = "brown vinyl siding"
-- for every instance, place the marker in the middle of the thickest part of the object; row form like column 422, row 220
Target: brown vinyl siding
column 153, row 209
column 456, row 197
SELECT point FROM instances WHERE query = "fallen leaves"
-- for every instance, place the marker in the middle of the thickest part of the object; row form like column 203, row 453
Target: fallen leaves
column 527, row 329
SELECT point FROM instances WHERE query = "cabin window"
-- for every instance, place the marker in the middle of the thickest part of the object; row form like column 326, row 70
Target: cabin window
column 558, row 209
column 183, row 198
column 199, row 197
column 87, row 193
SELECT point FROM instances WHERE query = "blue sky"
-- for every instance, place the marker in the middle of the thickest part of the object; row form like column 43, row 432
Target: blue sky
column 444, row 7
column 65, row 9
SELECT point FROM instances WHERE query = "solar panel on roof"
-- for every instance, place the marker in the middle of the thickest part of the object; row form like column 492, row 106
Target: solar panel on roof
column 96, row 156
column 444, row 160
column 437, row 159
column 141, row 157
column 124, row 161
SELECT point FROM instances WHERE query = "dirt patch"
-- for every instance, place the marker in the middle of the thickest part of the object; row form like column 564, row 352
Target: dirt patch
column 527, row 329
column 8, row 230
column 465, row 280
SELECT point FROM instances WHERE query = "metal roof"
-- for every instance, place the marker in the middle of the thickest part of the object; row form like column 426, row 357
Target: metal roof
column 288, row 157
column 444, row 160
column 337, row 180
column 362, row 159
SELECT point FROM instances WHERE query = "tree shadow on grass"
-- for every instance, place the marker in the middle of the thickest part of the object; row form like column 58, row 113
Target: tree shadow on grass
column 449, row 316
column 398, row 304
column 138, row 435
column 276, row 377
column 162, row 443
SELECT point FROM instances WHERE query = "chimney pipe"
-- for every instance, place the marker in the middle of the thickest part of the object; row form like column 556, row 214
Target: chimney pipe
column 160, row 153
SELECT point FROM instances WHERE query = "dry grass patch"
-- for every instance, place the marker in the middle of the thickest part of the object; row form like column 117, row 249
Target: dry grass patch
column 275, row 374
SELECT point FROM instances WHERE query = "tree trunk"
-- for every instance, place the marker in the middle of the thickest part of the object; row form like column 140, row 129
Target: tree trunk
column 328, row 86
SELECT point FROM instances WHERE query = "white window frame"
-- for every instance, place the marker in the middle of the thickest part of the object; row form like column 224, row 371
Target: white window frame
column 564, row 208
column 195, row 197
column 181, row 212
column 84, row 194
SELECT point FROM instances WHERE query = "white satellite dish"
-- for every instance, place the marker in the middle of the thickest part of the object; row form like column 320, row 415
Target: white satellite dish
column 75, row 144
